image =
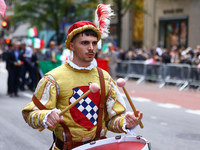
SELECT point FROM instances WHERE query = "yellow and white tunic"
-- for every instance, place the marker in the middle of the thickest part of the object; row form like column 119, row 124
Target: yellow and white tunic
column 61, row 87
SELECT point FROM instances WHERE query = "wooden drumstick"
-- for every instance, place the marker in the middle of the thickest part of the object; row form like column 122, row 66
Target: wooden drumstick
column 94, row 87
column 121, row 83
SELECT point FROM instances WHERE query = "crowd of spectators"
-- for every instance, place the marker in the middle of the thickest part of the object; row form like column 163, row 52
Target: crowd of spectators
column 22, row 65
column 22, row 58
column 156, row 54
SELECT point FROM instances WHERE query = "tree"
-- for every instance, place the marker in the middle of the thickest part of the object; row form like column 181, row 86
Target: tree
column 40, row 12
column 84, row 10
column 43, row 13
column 49, row 13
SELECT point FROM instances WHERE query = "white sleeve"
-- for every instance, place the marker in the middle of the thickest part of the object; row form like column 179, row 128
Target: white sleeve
column 45, row 117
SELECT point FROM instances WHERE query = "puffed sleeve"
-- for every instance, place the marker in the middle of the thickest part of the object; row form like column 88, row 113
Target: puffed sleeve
column 46, row 92
column 115, row 108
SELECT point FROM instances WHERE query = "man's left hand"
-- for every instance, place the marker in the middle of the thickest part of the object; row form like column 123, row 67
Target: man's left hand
column 132, row 120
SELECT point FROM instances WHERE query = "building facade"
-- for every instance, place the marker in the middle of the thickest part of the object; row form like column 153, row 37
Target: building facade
column 165, row 23
column 169, row 23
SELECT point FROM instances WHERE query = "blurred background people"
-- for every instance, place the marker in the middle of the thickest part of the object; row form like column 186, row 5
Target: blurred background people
column 111, row 56
column 26, row 56
column 52, row 52
column 6, row 55
column 14, row 66
column 37, row 57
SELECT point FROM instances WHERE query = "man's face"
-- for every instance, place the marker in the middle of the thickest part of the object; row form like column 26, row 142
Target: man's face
column 16, row 45
column 52, row 45
column 23, row 47
column 84, row 49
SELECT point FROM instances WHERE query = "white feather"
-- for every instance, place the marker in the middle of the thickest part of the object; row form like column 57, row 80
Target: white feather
column 103, row 22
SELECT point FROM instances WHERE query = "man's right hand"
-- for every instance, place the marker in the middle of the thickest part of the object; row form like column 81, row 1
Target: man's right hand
column 53, row 119
column 53, row 60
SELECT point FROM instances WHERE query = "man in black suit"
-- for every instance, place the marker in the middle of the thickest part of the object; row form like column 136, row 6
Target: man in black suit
column 5, row 56
column 14, row 64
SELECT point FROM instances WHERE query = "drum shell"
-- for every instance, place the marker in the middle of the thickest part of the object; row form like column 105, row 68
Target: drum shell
column 117, row 143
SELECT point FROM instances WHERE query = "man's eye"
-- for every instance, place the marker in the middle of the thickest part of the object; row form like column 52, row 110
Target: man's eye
column 94, row 43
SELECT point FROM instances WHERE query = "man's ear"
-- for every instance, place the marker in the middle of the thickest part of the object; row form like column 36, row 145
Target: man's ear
column 71, row 46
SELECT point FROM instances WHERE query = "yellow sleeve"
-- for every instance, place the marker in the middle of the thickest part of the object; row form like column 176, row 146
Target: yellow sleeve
column 46, row 92
column 115, row 107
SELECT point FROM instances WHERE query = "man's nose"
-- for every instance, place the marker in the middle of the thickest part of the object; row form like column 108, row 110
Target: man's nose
column 91, row 47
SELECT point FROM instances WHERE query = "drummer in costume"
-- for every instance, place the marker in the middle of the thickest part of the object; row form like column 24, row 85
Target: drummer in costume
column 63, row 85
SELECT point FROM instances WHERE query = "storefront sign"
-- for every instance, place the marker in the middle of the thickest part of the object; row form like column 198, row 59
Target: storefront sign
column 172, row 11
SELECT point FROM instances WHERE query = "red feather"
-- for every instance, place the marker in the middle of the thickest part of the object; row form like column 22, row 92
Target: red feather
column 102, row 18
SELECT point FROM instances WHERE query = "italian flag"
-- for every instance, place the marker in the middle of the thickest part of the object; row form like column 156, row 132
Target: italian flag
column 28, row 42
column 32, row 32
column 37, row 43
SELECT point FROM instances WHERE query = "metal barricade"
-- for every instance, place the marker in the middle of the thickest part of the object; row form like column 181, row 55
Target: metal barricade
column 122, row 69
column 178, row 74
column 195, row 77
column 182, row 75
column 140, row 71
column 154, row 72
column 136, row 70
column 131, row 69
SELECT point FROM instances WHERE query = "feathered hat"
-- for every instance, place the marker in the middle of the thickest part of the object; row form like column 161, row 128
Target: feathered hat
column 103, row 15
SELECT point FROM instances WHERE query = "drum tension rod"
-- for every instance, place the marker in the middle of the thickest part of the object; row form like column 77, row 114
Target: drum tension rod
column 118, row 137
column 138, row 137
column 92, row 142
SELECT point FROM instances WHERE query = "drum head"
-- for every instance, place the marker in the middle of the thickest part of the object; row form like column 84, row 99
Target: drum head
column 120, row 146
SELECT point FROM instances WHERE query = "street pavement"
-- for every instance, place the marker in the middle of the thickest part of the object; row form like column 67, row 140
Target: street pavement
column 169, row 94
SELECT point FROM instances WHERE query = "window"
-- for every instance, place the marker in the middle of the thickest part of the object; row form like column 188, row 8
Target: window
column 173, row 32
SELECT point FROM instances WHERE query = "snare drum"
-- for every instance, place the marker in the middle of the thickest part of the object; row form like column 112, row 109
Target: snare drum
column 117, row 143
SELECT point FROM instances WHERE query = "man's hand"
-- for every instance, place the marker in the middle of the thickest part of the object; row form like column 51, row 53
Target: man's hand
column 53, row 119
column 17, row 64
column 53, row 60
column 132, row 120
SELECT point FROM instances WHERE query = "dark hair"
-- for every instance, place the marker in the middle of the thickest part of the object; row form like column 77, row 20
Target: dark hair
column 86, row 32
column 10, row 45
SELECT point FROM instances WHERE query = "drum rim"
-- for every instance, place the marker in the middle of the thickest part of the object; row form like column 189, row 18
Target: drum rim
column 115, row 140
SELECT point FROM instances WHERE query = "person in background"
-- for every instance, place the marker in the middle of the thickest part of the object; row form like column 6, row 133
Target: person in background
column 38, row 56
column 166, row 57
column 27, row 67
column 111, row 56
column 14, row 66
column 6, row 55
column 175, row 55
column 52, row 52
column 196, row 58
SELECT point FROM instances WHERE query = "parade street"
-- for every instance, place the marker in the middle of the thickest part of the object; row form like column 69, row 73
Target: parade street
column 171, row 118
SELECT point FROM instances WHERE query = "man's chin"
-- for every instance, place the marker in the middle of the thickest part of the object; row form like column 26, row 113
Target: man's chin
column 89, row 59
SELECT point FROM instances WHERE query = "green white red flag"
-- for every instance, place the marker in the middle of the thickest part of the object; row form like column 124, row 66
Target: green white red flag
column 3, row 8
column 32, row 32
column 37, row 43
column 28, row 42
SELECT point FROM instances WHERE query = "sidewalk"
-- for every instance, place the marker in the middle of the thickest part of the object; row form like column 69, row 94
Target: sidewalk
column 189, row 99
column 2, row 66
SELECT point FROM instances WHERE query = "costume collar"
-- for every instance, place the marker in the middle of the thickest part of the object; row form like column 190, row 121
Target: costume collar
column 92, row 65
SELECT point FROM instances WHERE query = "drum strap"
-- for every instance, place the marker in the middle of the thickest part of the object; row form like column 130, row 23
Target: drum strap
column 101, row 105
column 68, row 143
